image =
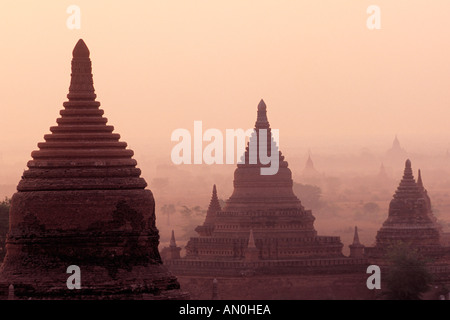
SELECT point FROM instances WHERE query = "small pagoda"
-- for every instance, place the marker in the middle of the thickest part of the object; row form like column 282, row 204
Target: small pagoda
column 410, row 220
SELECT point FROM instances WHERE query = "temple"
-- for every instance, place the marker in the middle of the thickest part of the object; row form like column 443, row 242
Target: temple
column 396, row 152
column 410, row 220
column 83, row 202
column 309, row 174
column 263, row 227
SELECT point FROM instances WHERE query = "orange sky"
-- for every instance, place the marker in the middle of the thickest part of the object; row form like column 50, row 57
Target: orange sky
column 159, row 65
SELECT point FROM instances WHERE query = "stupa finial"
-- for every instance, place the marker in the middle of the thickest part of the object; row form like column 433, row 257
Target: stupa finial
column 261, row 120
column 356, row 237
column 81, row 81
column 419, row 180
column 81, row 50
column 407, row 174
column 173, row 243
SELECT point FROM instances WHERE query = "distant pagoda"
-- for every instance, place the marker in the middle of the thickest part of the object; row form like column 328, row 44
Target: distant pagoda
column 309, row 174
column 262, row 225
column 82, row 202
column 396, row 152
column 410, row 219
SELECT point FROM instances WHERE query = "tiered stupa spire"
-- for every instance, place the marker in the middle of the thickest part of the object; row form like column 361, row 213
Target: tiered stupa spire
column 214, row 206
column 410, row 216
column 251, row 188
column 213, row 209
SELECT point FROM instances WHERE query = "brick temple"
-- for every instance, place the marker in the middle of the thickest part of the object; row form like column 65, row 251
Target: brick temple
column 263, row 228
column 410, row 220
column 83, row 202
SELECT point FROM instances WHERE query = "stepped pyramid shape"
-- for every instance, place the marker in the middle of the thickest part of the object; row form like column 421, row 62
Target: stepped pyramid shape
column 82, row 202
column 264, row 207
column 410, row 217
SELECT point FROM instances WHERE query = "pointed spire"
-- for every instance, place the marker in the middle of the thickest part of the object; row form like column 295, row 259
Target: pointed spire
column 251, row 240
column 214, row 205
column 396, row 143
column 382, row 173
column 419, row 181
column 173, row 243
column 309, row 163
column 356, row 237
column 408, row 188
column 81, row 82
column 261, row 120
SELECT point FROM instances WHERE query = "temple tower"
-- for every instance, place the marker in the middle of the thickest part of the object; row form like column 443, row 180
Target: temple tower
column 410, row 218
column 356, row 248
column 251, row 253
column 174, row 249
column 83, row 202
column 213, row 209
column 263, row 206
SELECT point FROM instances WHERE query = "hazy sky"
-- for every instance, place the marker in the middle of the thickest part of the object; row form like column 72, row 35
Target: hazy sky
column 159, row 65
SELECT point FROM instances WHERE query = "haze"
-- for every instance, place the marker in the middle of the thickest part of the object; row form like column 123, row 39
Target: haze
column 331, row 85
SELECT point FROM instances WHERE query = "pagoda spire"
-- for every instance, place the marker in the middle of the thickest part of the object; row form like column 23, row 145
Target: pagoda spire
column 396, row 143
column 309, row 163
column 214, row 205
column 251, row 240
column 173, row 243
column 261, row 121
column 356, row 248
column 408, row 187
column 419, row 181
column 81, row 82
column 407, row 173
column 356, row 237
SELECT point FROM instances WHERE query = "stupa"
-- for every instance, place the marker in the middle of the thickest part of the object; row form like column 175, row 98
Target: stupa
column 82, row 202
column 396, row 152
column 263, row 226
column 410, row 219
column 309, row 174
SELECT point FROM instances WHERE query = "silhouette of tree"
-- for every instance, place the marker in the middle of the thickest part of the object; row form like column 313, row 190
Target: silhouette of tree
column 407, row 277
column 168, row 209
column 194, row 216
column 309, row 195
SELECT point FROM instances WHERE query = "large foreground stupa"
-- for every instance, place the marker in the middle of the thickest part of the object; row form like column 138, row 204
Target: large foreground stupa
column 82, row 202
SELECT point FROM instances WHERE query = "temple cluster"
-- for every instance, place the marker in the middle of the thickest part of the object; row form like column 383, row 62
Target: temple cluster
column 82, row 202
